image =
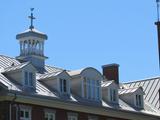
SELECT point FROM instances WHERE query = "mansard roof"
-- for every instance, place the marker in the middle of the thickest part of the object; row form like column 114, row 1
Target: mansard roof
column 31, row 32
column 42, row 91
column 151, row 89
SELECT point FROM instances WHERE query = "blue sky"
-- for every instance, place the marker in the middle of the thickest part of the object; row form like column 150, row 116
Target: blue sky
column 84, row 33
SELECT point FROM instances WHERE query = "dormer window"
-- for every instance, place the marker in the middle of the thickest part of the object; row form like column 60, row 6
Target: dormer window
column 139, row 100
column 28, row 78
column 63, row 85
column 113, row 95
column 91, row 89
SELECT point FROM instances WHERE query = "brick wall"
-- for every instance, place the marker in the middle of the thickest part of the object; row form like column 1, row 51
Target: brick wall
column 38, row 113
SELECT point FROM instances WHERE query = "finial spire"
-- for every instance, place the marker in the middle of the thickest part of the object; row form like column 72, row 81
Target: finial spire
column 158, row 5
column 32, row 18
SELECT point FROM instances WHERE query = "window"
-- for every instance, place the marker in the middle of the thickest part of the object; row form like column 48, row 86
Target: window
column 72, row 116
column 139, row 100
column 28, row 76
column 25, row 114
column 91, row 89
column 113, row 95
column 49, row 116
column 92, row 118
column 63, row 86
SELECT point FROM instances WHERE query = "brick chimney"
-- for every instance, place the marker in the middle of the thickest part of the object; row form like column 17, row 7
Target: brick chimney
column 111, row 72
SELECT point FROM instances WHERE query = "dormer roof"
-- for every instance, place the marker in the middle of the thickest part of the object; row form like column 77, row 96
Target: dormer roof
column 107, row 83
column 31, row 32
column 49, row 75
column 131, row 91
column 16, row 67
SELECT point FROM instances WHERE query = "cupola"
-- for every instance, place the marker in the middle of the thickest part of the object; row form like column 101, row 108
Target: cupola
column 31, row 44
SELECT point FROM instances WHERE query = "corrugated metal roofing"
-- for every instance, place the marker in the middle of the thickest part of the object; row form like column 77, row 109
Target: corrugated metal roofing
column 127, row 91
column 151, row 88
column 47, row 75
column 106, row 83
column 15, row 67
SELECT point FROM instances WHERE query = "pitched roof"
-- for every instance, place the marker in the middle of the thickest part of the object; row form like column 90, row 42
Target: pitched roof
column 47, row 75
column 42, row 90
column 128, row 91
column 15, row 67
column 107, row 83
column 151, row 87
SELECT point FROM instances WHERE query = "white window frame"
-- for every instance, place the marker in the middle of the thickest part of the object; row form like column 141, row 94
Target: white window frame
column 92, row 118
column 139, row 100
column 25, row 109
column 113, row 95
column 91, row 89
column 72, row 116
column 61, row 86
column 29, row 79
column 49, row 114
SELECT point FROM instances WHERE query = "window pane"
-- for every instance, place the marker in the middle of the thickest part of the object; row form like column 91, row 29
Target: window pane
column 31, row 79
column 64, row 85
column 22, row 113
column 114, row 95
column 26, row 78
column 61, row 88
column 26, row 114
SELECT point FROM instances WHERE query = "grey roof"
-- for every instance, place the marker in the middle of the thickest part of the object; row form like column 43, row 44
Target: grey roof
column 47, row 75
column 15, row 67
column 151, row 88
column 128, row 91
column 42, row 90
column 107, row 83
column 32, row 32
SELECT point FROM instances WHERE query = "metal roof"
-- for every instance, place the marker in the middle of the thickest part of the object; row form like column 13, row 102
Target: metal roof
column 128, row 91
column 47, row 75
column 151, row 89
column 107, row 83
column 31, row 32
column 15, row 67
column 43, row 90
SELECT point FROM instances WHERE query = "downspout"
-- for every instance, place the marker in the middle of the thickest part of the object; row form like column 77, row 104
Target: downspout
column 10, row 106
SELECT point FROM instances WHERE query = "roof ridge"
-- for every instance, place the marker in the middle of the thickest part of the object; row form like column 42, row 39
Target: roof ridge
column 152, row 78
column 7, row 56
column 53, row 67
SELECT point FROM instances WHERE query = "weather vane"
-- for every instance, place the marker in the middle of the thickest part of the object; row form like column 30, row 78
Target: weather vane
column 158, row 3
column 32, row 18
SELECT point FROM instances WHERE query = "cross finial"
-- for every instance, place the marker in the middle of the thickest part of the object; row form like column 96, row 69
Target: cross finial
column 32, row 18
column 158, row 3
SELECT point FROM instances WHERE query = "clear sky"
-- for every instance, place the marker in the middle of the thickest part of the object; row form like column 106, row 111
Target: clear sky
column 84, row 33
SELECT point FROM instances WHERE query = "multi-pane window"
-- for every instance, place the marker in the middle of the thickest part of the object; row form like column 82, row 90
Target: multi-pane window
column 139, row 100
column 28, row 77
column 91, row 89
column 92, row 118
column 113, row 95
column 49, row 116
column 25, row 114
column 63, row 86
column 70, row 117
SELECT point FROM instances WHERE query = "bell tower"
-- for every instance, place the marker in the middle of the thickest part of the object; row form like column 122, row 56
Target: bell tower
column 31, row 44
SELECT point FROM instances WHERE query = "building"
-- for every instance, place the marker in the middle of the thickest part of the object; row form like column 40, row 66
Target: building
column 32, row 90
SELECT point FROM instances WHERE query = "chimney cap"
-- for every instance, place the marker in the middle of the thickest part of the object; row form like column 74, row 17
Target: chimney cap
column 110, row 65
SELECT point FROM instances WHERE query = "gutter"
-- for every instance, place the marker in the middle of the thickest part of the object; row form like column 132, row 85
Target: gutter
column 42, row 101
